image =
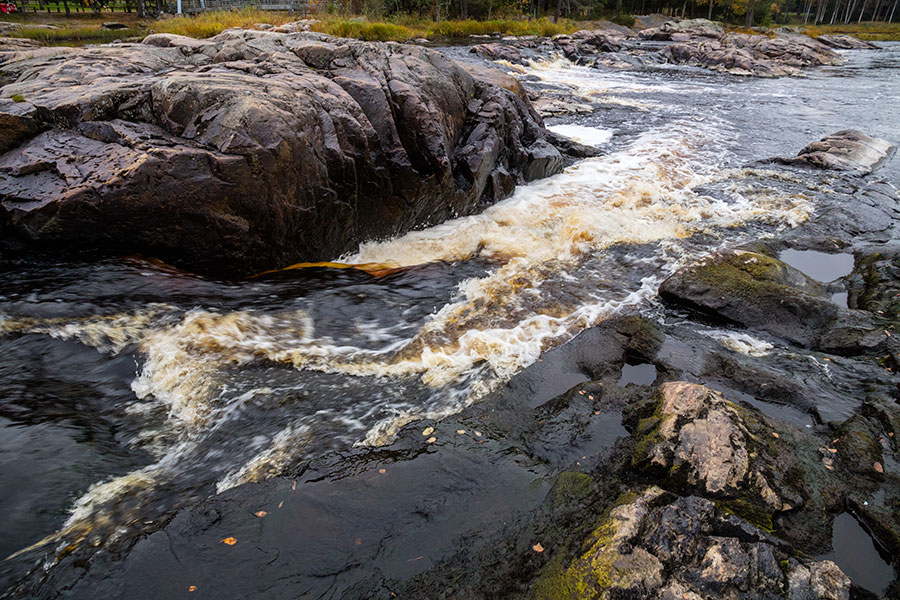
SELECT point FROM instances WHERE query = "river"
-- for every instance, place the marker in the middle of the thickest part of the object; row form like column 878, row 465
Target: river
column 132, row 389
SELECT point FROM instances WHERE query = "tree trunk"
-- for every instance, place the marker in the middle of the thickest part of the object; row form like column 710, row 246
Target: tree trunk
column 862, row 10
column 750, row 6
column 893, row 8
column 140, row 8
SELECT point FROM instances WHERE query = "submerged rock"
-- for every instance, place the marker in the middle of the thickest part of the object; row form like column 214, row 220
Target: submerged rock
column 253, row 149
column 847, row 150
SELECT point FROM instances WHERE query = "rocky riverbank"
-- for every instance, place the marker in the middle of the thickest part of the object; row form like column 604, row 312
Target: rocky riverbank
column 251, row 150
column 696, row 42
column 742, row 443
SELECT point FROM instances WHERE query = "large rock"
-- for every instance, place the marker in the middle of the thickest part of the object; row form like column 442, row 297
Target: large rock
column 761, row 292
column 742, row 54
column 655, row 545
column 847, row 150
column 497, row 51
column 702, row 443
column 252, row 149
column 846, row 42
column 688, row 27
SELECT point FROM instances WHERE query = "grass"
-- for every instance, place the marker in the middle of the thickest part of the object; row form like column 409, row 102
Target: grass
column 208, row 24
column 78, row 35
column 871, row 31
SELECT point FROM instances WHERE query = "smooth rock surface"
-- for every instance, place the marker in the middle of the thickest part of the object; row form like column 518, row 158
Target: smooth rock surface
column 848, row 150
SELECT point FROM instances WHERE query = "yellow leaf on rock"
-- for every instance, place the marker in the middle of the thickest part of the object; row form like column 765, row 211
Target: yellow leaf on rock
column 431, row 440
column 260, row 513
column 878, row 467
column 229, row 540
column 427, row 431
column 537, row 547
column 192, row 588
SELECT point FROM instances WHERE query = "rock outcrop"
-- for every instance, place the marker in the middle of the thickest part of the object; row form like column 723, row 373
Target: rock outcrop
column 761, row 292
column 847, row 150
column 846, row 42
column 253, row 149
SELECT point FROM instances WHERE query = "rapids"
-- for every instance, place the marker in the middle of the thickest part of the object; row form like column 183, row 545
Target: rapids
column 145, row 387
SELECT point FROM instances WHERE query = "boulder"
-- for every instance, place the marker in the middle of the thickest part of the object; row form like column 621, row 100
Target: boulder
column 653, row 544
column 498, row 52
column 846, row 42
column 681, row 30
column 703, row 444
column 761, row 292
column 847, row 150
column 253, row 149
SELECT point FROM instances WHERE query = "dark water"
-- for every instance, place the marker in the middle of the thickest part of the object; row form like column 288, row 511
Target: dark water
column 856, row 554
column 130, row 389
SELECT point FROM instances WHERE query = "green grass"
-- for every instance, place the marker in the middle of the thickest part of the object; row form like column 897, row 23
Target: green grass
column 17, row 98
column 80, row 35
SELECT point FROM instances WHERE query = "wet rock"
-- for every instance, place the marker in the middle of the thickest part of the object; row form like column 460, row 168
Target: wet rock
column 703, row 444
column 847, row 150
column 498, row 52
column 656, row 545
column 114, row 25
column 758, row 291
column 846, row 42
column 253, row 149
column 875, row 284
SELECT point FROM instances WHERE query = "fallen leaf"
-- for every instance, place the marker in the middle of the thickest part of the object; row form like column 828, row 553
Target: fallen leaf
column 590, row 397
column 581, row 392
column 427, row 431
column 775, row 434
column 280, row 504
column 596, row 412
column 357, row 542
column 461, row 431
column 887, row 333
column 477, row 434
column 827, row 359
column 537, row 547
column 833, row 450
column 260, row 513
column 294, row 486
column 877, row 466
column 431, row 440
column 382, row 471
column 890, row 434
column 415, row 559
column 229, row 540
column 192, row 588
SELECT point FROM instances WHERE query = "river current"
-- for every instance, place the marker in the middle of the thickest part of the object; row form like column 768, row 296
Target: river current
column 130, row 389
